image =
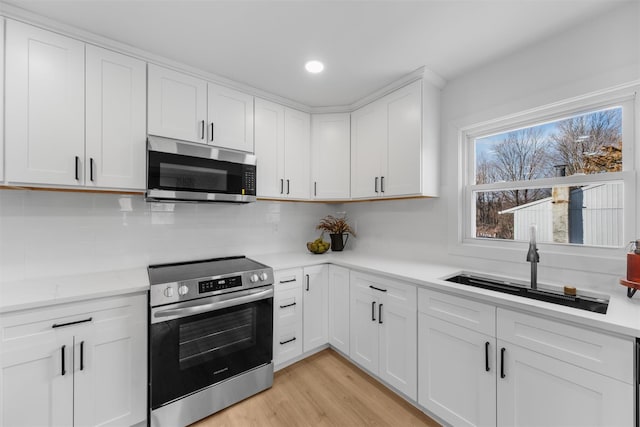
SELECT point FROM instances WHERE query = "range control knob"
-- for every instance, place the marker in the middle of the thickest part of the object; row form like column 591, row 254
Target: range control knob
column 183, row 290
column 263, row 276
column 168, row 292
column 253, row 278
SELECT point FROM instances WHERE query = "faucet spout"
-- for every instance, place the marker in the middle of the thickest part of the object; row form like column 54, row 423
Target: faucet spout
column 534, row 258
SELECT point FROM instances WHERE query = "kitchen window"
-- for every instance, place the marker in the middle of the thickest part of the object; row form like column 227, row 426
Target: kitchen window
column 566, row 168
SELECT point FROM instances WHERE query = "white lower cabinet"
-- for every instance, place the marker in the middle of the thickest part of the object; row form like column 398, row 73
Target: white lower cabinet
column 383, row 330
column 315, row 307
column 482, row 366
column 339, row 308
column 80, row 364
column 287, row 316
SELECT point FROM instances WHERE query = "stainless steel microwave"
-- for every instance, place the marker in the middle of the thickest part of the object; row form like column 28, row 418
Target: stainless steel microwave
column 184, row 171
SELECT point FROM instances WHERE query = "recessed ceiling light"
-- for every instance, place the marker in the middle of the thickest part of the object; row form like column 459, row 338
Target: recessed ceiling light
column 314, row 66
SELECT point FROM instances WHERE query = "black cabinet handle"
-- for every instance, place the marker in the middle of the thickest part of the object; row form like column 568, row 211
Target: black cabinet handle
column 376, row 184
column 373, row 311
column 502, row 350
column 202, row 125
column 382, row 184
column 288, row 186
column 287, row 341
column 63, row 370
column 77, row 168
column 315, row 188
column 82, row 355
column 380, row 313
column 91, row 169
column 377, row 289
column 288, row 281
column 486, row 356
column 211, row 131
column 60, row 325
column 281, row 186
column 307, row 282
column 288, row 305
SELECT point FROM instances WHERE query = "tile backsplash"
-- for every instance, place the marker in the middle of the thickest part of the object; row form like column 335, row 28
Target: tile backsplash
column 46, row 233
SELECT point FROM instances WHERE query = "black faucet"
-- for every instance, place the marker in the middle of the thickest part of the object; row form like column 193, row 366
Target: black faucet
column 534, row 258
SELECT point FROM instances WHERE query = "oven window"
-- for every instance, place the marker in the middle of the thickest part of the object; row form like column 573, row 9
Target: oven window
column 192, row 177
column 207, row 339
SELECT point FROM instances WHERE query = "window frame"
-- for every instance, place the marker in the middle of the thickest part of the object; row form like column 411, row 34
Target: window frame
column 467, row 243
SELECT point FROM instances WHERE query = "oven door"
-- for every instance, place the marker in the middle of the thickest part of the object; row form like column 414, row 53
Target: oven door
column 196, row 344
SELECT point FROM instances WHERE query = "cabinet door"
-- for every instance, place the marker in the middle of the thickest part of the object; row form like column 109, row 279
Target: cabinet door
column 44, row 116
column 177, row 105
column 368, row 143
column 297, row 134
column 315, row 307
column 364, row 330
column 1, row 103
column 230, row 118
column 269, row 139
column 339, row 308
column 115, row 119
column 537, row 390
column 401, row 171
column 36, row 369
column 456, row 373
column 330, row 156
column 397, row 318
column 110, row 366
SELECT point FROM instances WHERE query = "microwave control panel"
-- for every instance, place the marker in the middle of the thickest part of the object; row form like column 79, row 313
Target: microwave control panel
column 249, row 180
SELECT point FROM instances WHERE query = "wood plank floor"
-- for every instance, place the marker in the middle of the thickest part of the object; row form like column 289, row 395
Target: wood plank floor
column 321, row 390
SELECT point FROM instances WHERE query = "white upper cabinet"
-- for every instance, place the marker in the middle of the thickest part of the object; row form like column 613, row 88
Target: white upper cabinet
column 297, row 134
column 1, row 103
column 394, row 144
column 44, row 120
column 401, row 172
column 269, row 136
column 368, row 144
column 177, row 105
column 191, row 109
column 230, row 118
column 282, row 149
column 115, row 120
column 330, row 156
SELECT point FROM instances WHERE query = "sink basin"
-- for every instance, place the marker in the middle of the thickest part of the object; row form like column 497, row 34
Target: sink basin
column 582, row 302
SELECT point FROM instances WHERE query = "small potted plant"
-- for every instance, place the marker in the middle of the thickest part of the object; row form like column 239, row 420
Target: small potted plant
column 337, row 228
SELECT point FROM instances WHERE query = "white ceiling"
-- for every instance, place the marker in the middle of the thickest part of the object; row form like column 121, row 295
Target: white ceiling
column 365, row 45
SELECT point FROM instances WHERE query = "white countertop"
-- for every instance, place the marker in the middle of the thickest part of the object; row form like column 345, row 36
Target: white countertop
column 41, row 292
column 623, row 314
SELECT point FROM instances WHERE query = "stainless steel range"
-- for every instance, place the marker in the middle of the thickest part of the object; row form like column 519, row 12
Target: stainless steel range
column 210, row 337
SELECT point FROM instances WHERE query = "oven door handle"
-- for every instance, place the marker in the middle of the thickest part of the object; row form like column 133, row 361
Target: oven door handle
column 174, row 313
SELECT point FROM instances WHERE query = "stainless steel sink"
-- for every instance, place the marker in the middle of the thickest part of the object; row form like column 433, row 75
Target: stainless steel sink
column 593, row 303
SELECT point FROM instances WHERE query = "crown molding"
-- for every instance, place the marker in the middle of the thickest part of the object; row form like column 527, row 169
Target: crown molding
column 25, row 16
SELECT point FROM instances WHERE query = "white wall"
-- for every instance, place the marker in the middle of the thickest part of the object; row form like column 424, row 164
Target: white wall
column 54, row 233
column 596, row 55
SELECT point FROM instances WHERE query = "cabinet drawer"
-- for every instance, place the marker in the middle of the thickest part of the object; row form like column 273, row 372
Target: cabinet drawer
column 393, row 291
column 287, row 342
column 288, row 306
column 288, row 279
column 459, row 311
column 40, row 321
column 596, row 351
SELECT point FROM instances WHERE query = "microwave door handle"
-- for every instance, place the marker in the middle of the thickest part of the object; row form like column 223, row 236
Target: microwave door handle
column 181, row 312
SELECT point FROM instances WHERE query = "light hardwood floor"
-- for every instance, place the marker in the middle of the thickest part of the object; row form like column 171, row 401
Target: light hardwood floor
column 321, row 390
